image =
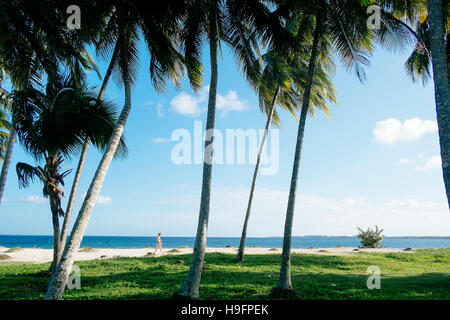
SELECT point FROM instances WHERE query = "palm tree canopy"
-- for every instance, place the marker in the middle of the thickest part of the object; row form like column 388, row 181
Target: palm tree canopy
column 406, row 23
column 61, row 119
column 288, row 73
column 53, row 126
column 34, row 39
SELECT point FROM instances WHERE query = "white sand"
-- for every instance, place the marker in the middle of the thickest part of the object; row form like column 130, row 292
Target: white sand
column 34, row 255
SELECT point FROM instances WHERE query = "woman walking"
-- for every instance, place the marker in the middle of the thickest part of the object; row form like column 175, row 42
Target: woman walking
column 158, row 244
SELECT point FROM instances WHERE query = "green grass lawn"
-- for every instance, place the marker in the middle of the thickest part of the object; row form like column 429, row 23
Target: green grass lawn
column 424, row 274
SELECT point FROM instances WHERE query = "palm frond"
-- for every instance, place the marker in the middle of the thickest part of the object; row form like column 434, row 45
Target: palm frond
column 27, row 174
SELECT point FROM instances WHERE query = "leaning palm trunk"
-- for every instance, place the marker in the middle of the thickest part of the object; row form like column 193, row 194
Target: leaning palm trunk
column 56, row 233
column 84, row 151
column 441, row 85
column 59, row 278
column 189, row 288
column 7, row 161
column 240, row 254
column 284, row 282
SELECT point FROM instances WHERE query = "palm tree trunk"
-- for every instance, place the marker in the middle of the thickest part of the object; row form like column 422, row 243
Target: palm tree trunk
column 7, row 161
column 59, row 278
column 84, row 151
column 56, row 235
column 189, row 289
column 441, row 84
column 240, row 254
column 284, row 282
column 12, row 140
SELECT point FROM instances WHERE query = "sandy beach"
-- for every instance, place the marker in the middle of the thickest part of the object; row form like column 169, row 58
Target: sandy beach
column 35, row 255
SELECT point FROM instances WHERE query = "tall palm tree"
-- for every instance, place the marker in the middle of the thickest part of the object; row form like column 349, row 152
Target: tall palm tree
column 439, row 24
column 216, row 21
column 344, row 22
column 428, row 22
column 83, row 155
column 277, row 85
column 52, row 127
column 158, row 24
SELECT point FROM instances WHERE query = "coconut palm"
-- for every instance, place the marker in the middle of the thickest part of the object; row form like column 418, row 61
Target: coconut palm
column 158, row 24
column 344, row 22
column 217, row 21
column 430, row 27
column 438, row 17
column 83, row 155
column 277, row 85
column 51, row 127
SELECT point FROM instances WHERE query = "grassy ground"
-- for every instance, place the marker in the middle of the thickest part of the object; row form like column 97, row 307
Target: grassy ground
column 421, row 275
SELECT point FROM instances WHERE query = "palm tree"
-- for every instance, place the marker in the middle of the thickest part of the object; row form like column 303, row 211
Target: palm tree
column 216, row 21
column 344, row 22
column 84, row 151
column 438, row 36
column 34, row 41
column 52, row 127
column 158, row 24
column 277, row 85
column 430, row 27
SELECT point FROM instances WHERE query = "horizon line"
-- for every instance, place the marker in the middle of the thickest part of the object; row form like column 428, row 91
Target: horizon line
column 193, row 236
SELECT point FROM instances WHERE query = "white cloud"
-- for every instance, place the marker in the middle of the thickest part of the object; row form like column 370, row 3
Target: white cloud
column 392, row 130
column 431, row 163
column 100, row 199
column 34, row 199
column 193, row 106
column 186, row 104
column 230, row 102
column 403, row 161
column 160, row 140
column 352, row 202
column 411, row 204
column 104, row 200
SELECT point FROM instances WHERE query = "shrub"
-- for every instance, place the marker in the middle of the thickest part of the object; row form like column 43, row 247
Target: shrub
column 15, row 249
column 371, row 238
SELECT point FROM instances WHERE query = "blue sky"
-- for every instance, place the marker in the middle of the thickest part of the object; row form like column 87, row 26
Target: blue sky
column 376, row 162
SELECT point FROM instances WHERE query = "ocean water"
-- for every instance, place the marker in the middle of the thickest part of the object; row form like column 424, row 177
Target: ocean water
column 45, row 242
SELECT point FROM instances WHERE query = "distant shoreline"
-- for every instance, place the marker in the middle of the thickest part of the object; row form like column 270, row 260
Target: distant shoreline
column 231, row 237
